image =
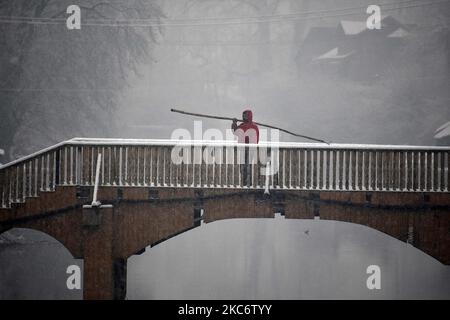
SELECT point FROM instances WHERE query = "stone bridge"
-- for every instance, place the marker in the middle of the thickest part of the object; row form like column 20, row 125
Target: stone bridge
column 108, row 199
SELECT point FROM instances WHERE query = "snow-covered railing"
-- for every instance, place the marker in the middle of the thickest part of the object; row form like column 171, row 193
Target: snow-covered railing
column 221, row 164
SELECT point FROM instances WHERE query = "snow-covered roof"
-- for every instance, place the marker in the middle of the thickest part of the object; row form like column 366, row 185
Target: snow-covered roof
column 388, row 23
column 353, row 27
column 442, row 131
column 333, row 54
column 399, row 33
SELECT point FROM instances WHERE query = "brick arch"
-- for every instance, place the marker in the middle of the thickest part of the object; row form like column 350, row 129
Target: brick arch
column 44, row 231
column 423, row 220
column 139, row 225
column 64, row 228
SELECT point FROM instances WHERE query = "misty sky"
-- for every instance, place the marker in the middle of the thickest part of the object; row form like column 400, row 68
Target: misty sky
column 222, row 69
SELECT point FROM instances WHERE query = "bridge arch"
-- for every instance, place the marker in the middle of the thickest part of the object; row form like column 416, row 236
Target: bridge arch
column 407, row 217
column 65, row 227
column 36, row 230
column 34, row 266
column 217, row 255
column 372, row 227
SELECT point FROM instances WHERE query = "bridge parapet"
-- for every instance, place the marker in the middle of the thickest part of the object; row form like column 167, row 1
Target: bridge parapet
column 219, row 165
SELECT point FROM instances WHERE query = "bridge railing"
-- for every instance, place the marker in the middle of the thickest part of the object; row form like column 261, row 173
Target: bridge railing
column 220, row 164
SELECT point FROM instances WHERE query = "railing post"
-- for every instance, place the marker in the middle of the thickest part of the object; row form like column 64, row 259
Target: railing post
column 57, row 167
column 78, row 165
column 95, row 202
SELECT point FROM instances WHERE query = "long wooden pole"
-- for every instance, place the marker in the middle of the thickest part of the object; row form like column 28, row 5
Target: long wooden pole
column 258, row 123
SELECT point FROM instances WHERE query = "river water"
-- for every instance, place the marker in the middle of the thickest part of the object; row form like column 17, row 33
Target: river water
column 240, row 259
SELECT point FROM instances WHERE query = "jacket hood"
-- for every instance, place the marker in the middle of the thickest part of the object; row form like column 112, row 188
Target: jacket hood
column 249, row 115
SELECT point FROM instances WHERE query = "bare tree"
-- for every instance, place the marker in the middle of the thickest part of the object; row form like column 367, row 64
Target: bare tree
column 57, row 83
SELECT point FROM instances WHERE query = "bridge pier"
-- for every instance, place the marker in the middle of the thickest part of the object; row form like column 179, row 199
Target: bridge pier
column 104, row 274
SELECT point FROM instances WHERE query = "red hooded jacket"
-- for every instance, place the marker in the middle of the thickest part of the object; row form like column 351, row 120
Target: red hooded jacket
column 247, row 125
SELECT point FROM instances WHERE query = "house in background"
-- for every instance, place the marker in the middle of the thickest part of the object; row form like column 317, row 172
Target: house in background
column 319, row 50
column 352, row 50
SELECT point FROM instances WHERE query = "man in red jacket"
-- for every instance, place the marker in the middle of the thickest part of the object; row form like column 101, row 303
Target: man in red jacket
column 250, row 131
column 247, row 132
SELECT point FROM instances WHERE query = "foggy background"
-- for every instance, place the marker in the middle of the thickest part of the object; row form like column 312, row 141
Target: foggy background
column 304, row 65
